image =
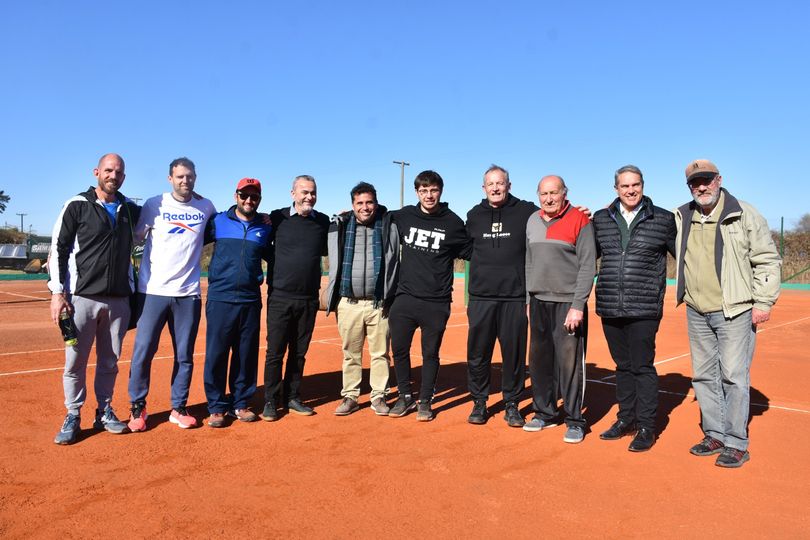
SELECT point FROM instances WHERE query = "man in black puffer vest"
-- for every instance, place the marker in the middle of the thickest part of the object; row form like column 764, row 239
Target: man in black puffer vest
column 633, row 238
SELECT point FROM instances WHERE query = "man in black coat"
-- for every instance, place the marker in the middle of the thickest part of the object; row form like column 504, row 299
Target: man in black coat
column 633, row 238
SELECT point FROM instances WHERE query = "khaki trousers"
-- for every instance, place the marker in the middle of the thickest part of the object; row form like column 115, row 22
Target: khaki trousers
column 358, row 320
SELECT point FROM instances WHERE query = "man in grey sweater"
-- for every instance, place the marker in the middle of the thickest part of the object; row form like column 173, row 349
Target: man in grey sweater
column 560, row 267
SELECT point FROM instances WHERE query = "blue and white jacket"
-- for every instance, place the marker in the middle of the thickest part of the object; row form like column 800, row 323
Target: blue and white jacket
column 235, row 273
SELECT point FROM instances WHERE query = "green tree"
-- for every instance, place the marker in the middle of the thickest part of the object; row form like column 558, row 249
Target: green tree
column 4, row 199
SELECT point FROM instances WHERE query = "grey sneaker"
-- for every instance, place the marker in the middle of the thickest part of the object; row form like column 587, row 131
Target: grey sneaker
column 574, row 434
column 107, row 421
column 732, row 458
column 423, row 412
column 403, row 406
column 538, row 424
column 346, row 407
column 70, row 430
column 380, row 407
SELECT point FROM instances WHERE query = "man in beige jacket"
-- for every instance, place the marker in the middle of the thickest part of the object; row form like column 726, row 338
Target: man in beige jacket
column 728, row 275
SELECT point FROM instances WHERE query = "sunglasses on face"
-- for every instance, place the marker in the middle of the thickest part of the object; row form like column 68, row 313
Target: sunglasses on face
column 252, row 196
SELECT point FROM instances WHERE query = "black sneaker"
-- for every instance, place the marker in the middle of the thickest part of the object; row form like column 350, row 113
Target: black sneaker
column 707, row 447
column 512, row 415
column 270, row 414
column 403, row 406
column 479, row 412
column 297, row 407
column 423, row 412
column 732, row 458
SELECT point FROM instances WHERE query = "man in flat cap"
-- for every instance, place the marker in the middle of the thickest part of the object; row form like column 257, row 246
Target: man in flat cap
column 728, row 275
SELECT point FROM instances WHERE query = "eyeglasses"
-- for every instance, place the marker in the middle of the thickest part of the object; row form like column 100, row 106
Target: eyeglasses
column 428, row 191
column 252, row 196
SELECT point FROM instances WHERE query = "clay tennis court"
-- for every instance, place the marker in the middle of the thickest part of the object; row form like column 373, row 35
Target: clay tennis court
column 364, row 476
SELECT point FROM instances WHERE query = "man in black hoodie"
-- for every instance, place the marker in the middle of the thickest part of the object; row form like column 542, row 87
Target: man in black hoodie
column 432, row 237
column 497, row 294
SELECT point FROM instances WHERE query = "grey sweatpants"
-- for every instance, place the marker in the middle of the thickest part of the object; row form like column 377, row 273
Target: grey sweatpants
column 102, row 319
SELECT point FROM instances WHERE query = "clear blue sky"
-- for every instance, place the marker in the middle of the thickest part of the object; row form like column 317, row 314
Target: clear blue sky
column 340, row 89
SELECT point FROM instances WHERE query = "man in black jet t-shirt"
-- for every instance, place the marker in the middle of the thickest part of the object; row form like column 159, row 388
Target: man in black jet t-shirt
column 432, row 237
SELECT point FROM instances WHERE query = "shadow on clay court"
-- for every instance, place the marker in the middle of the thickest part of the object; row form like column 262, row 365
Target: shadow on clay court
column 759, row 404
column 451, row 391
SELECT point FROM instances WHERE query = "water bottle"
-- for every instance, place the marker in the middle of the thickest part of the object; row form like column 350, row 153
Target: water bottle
column 68, row 328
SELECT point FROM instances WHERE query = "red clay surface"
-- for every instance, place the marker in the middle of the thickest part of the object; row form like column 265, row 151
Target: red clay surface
column 365, row 476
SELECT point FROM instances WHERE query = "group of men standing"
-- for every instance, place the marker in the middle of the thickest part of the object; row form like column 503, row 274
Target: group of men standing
column 391, row 273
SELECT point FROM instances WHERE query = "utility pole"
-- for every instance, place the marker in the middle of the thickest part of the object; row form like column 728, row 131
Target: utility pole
column 22, row 227
column 402, row 165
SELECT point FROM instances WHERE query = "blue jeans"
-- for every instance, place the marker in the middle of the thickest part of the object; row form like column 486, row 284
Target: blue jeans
column 722, row 350
column 183, row 315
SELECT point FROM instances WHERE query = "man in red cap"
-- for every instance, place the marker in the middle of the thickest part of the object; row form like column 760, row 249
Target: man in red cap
column 234, row 305
column 728, row 275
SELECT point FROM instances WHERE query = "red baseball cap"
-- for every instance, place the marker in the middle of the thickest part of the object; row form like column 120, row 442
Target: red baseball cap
column 249, row 182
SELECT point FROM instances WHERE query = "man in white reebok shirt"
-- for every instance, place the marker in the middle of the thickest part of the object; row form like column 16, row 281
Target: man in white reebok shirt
column 172, row 225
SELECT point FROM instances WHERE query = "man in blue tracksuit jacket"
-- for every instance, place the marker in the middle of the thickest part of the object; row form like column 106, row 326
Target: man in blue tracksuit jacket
column 234, row 304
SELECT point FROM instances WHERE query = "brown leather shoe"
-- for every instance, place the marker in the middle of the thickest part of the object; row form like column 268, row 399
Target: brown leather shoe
column 347, row 407
column 244, row 415
column 216, row 420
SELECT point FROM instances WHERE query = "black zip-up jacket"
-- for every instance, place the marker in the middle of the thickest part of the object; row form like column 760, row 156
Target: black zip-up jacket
column 498, row 260
column 632, row 280
column 430, row 244
column 89, row 256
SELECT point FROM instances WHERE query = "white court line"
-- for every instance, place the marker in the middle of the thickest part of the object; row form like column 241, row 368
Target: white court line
column 759, row 331
column 327, row 341
column 23, row 295
column 664, row 361
column 61, row 368
column 769, row 327
column 691, row 394
column 32, row 352
column 330, row 341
